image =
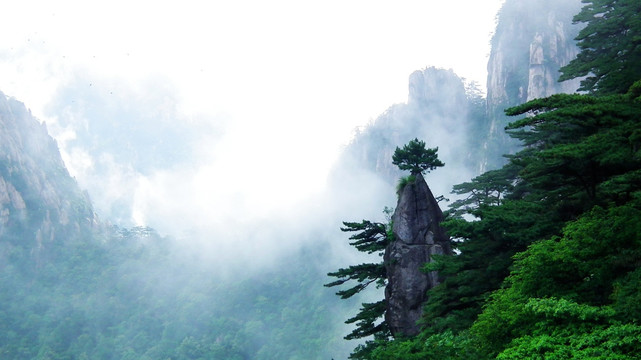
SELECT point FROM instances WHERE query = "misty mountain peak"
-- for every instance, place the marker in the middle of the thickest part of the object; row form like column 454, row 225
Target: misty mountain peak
column 437, row 110
column 433, row 85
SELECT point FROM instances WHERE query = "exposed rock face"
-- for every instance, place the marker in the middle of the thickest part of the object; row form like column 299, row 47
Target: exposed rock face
column 39, row 201
column 533, row 40
column 548, row 53
column 418, row 236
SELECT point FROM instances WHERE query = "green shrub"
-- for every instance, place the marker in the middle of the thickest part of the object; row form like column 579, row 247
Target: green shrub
column 403, row 181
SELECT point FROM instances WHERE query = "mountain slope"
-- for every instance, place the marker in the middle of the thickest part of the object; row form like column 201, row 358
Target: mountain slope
column 72, row 287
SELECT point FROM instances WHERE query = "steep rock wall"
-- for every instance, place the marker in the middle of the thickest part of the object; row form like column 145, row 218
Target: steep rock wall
column 533, row 40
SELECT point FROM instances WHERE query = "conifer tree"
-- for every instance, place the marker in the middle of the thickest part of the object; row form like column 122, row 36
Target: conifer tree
column 549, row 267
column 610, row 46
column 372, row 238
column 416, row 158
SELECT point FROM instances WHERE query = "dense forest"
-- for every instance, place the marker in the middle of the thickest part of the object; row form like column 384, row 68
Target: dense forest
column 547, row 246
column 126, row 294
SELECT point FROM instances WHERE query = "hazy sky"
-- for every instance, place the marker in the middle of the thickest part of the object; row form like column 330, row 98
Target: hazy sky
column 285, row 82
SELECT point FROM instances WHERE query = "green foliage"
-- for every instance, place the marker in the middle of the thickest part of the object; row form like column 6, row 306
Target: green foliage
column 445, row 345
column 487, row 189
column 404, row 181
column 368, row 321
column 606, row 342
column 564, row 286
column 127, row 295
column 416, row 158
column 548, row 250
column 369, row 237
column 364, row 274
column 581, row 150
column 610, row 46
column 584, row 263
column 561, row 219
column 563, row 329
column 552, row 328
column 486, row 247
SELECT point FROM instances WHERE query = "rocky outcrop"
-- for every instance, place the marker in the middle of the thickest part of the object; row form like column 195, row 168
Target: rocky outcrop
column 418, row 236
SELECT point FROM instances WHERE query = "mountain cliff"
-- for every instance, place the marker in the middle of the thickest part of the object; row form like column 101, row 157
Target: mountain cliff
column 40, row 203
column 547, row 251
column 533, row 40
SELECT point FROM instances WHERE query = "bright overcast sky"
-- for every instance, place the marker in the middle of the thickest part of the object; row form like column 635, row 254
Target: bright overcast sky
column 283, row 73
column 334, row 57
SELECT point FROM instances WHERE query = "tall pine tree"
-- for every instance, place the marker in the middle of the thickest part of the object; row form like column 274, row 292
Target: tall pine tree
column 610, row 44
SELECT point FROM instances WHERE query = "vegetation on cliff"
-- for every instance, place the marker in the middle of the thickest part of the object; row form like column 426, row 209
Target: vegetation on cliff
column 548, row 246
column 416, row 158
column 610, row 43
column 416, row 221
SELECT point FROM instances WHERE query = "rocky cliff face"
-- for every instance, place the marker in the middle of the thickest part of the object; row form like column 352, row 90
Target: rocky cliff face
column 39, row 201
column 418, row 236
column 533, row 40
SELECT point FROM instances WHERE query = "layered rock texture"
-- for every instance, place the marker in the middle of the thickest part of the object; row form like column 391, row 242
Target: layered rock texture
column 418, row 236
